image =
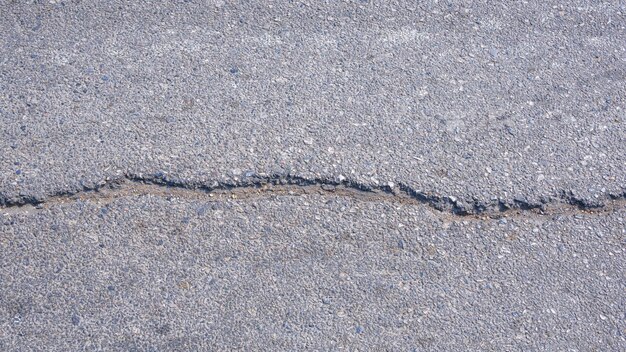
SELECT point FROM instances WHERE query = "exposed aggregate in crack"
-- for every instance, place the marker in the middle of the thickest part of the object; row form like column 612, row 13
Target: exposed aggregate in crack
column 266, row 185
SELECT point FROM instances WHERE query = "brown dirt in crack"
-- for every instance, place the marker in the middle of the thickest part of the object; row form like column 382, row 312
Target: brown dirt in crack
column 129, row 189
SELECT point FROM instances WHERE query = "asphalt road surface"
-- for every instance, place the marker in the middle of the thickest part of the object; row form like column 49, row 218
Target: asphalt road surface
column 311, row 175
column 307, row 272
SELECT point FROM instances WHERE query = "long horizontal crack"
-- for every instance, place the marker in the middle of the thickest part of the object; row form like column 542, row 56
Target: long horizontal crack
column 255, row 186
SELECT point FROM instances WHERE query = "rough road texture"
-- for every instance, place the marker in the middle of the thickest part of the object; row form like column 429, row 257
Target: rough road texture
column 300, row 175
column 307, row 273
column 475, row 100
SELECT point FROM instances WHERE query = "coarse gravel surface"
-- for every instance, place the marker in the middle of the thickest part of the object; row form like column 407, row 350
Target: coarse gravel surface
column 312, row 175
column 308, row 272
column 478, row 100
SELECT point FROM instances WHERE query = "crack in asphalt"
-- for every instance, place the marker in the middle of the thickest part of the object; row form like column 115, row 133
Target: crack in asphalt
column 254, row 186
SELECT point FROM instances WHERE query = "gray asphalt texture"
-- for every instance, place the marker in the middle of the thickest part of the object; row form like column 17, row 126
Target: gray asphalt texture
column 307, row 273
column 503, row 106
column 478, row 100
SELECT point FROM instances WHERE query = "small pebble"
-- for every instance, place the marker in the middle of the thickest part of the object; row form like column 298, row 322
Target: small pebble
column 75, row 319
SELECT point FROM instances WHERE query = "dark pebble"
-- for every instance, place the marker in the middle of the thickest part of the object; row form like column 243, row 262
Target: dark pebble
column 203, row 210
column 75, row 319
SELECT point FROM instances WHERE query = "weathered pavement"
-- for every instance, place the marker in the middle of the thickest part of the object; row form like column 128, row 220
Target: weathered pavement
column 296, row 175
column 491, row 101
column 307, row 272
